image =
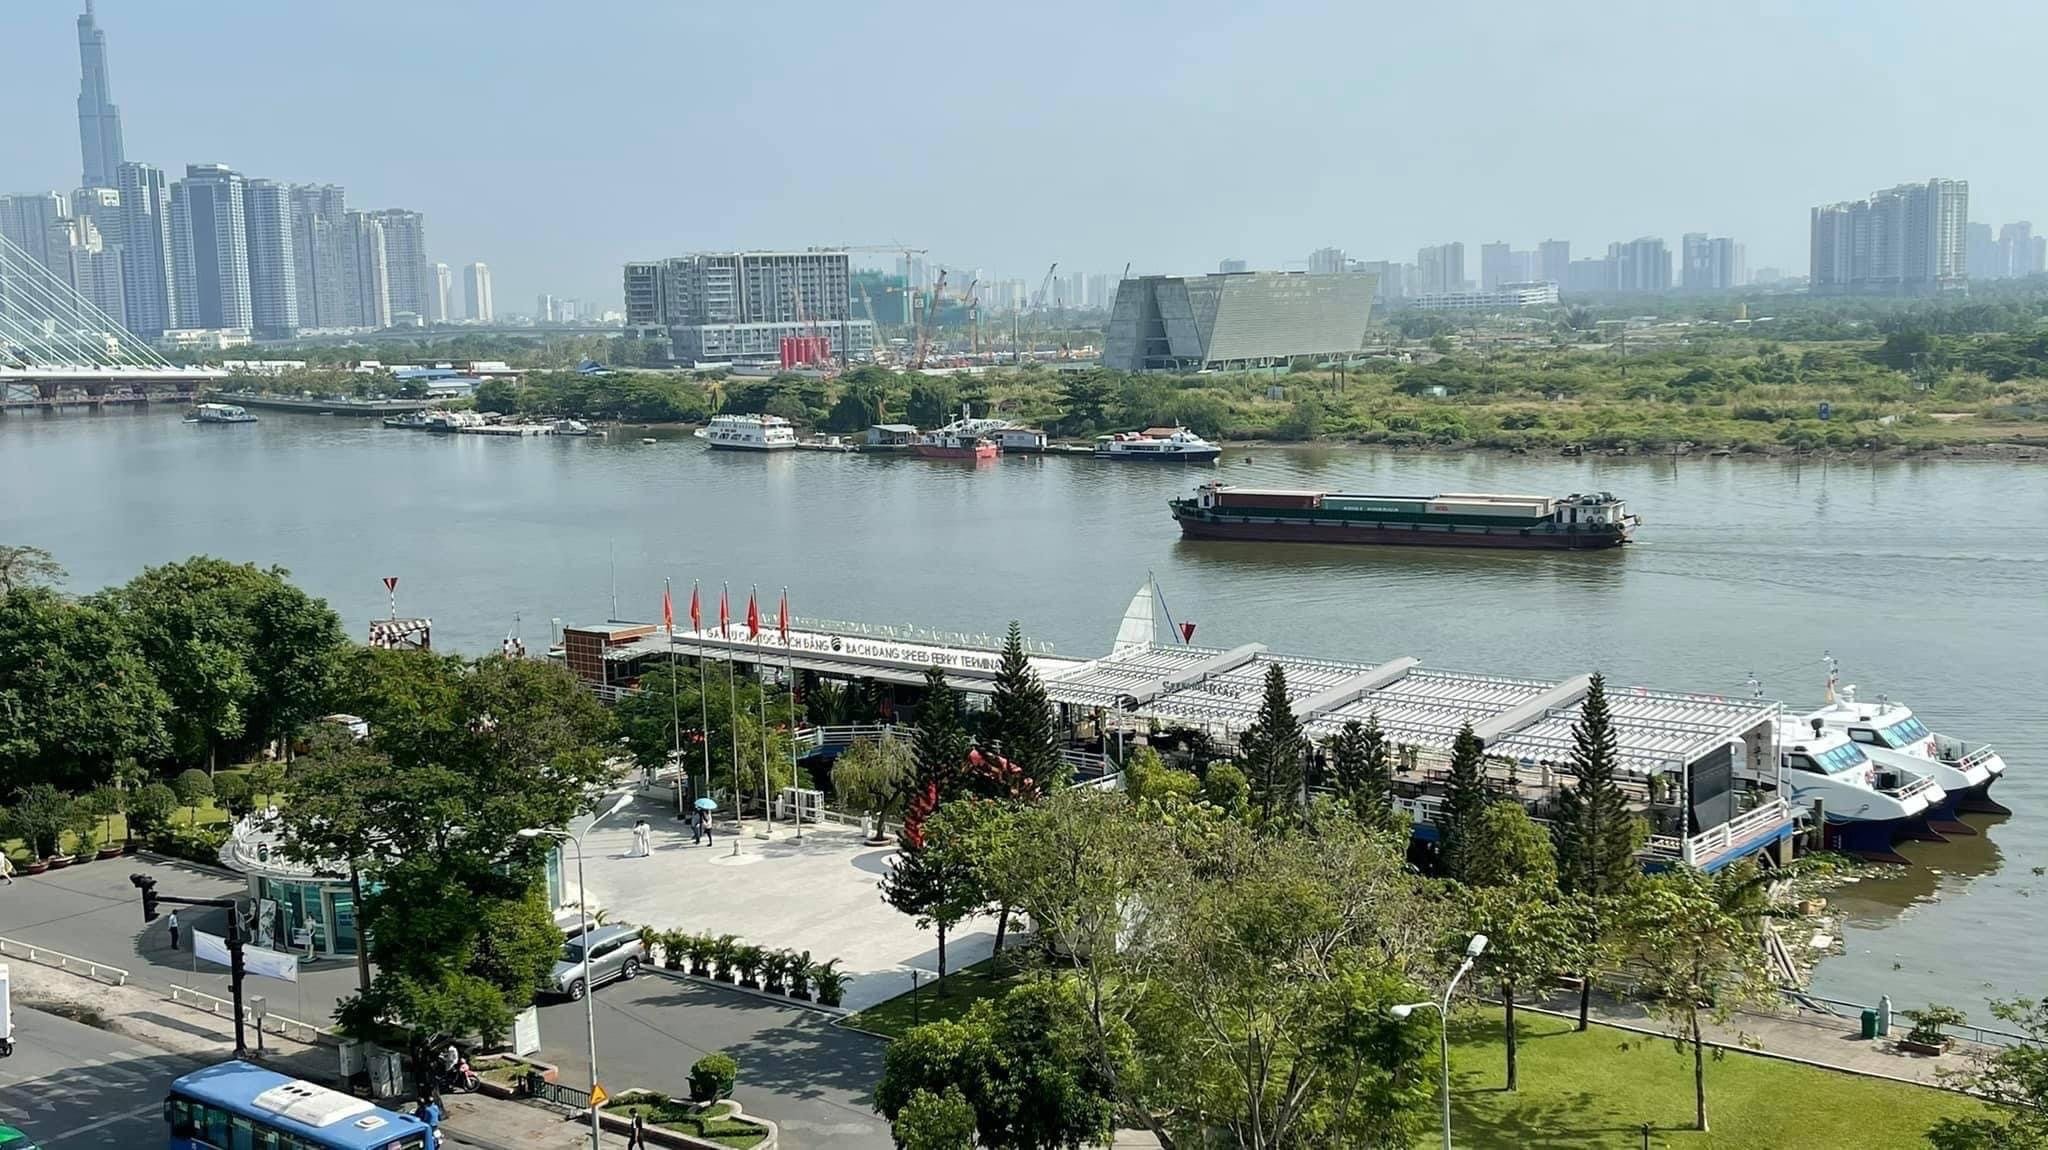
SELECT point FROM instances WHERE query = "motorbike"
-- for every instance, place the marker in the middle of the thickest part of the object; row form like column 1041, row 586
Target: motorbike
column 452, row 1073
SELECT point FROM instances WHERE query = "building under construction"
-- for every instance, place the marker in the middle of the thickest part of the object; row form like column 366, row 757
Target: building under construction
column 1236, row 321
column 741, row 306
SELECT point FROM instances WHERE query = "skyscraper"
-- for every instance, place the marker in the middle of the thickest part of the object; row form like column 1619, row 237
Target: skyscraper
column 1907, row 240
column 147, row 279
column 80, row 257
column 99, row 121
column 1553, row 260
column 1641, row 265
column 1495, row 265
column 1326, row 261
column 476, row 291
column 2016, row 250
column 1440, row 268
column 1982, row 249
column 1230, row 267
column 26, row 220
column 405, row 254
column 210, row 248
column 442, row 282
column 321, row 255
column 273, row 268
column 366, row 274
column 1710, row 263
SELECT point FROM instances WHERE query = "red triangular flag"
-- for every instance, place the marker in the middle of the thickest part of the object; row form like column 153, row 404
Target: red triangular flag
column 696, row 612
column 782, row 617
column 1187, row 632
column 724, row 615
column 753, row 616
column 668, row 609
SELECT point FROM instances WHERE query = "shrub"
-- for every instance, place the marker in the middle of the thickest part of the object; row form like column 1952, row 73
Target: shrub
column 234, row 795
column 724, row 949
column 1927, row 1023
column 1226, row 787
column 799, row 974
column 41, row 817
column 936, row 1121
column 150, row 808
column 674, row 944
column 192, row 786
column 747, row 958
column 701, row 948
column 712, row 1077
column 830, row 982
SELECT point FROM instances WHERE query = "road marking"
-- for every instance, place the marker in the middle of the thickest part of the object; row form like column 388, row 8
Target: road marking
column 138, row 1112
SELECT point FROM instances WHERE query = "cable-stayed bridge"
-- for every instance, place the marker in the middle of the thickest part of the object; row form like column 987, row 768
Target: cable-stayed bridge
column 58, row 349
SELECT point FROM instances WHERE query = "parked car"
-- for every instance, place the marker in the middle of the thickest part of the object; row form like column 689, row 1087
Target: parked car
column 615, row 952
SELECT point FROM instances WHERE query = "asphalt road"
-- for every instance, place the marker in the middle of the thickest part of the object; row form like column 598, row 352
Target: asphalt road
column 70, row 1086
column 797, row 1069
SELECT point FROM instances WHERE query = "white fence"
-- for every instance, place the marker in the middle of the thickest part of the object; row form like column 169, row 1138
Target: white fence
column 282, row 1025
column 44, row 956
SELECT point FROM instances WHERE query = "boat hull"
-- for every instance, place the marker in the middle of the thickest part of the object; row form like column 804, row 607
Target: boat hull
column 931, row 451
column 1207, row 455
column 1195, row 525
column 757, row 448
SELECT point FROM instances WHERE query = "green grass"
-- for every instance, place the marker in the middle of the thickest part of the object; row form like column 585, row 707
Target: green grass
column 947, row 998
column 1596, row 1089
column 715, row 1125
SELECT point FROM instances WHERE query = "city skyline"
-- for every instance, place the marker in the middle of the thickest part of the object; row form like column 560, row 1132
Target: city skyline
column 867, row 185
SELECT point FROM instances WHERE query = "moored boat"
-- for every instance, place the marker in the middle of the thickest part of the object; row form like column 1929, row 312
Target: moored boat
column 1867, row 807
column 1892, row 735
column 219, row 413
column 751, row 432
column 1157, row 445
column 1573, row 523
column 961, row 439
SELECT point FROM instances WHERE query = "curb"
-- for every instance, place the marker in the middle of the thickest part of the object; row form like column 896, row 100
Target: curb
column 779, row 999
column 174, row 860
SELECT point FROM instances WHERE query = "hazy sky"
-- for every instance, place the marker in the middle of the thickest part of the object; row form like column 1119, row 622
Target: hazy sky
column 556, row 140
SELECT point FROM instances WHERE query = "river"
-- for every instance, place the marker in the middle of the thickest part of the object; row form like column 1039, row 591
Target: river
column 1928, row 579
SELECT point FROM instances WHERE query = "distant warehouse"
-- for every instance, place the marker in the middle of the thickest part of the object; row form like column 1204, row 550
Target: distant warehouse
column 1506, row 297
column 1236, row 321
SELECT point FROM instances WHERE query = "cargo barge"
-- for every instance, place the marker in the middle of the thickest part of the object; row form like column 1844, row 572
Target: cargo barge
column 1572, row 523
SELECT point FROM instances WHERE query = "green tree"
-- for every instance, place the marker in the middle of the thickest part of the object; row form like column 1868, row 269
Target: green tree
column 1020, row 722
column 231, row 791
column 1697, row 954
column 335, row 802
column 928, row 1121
column 1597, row 835
column 933, row 401
column 1273, row 749
column 1365, row 779
column 1465, row 800
column 76, row 696
column 942, row 740
column 2016, row 1078
column 858, row 407
column 1226, row 788
column 22, row 567
column 499, row 395
column 39, row 818
column 1083, row 399
column 151, row 808
column 938, row 884
column 1534, row 931
column 193, row 787
column 874, row 775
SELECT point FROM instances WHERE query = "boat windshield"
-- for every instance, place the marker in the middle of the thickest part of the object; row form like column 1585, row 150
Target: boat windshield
column 1904, row 733
column 1846, row 757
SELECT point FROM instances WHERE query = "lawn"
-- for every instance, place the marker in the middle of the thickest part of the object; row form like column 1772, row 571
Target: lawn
column 1597, row 1088
column 949, row 997
column 714, row 1125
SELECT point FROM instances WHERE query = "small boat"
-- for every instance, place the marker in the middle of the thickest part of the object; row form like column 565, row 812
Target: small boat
column 219, row 413
column 1892, row 736
column 1867, row 806
column 946, row 443
column 752, row 432
column 1157, row 445
column 648, row 440
column 570, row 427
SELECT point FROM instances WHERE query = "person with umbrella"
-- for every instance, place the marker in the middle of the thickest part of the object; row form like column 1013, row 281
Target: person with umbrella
column 702, row 825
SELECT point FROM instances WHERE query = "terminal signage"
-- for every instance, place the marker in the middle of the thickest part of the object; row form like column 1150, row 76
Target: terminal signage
column 850, row 647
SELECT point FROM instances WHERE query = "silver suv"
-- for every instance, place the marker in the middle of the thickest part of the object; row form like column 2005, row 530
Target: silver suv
column 615, row 952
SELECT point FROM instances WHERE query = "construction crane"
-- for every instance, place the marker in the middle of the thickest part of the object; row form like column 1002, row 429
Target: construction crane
column 881, row 352
column 1038, row 306
column 924, row 324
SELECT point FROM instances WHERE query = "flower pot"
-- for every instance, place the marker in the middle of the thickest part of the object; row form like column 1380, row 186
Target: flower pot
column 723, row 977
column 805, row 995
column 1930, row 1049
column 36, row 866
column 112, row 852
column 58, row 862
column 700, row 970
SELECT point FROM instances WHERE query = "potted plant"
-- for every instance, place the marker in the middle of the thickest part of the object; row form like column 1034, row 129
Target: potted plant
column 712, row 1077
column 649, row 939
column 723, row 951
column 1927, row 1037
column 830, row 983
column 700, row 948
column 104, row 803
column 800, row 975
column 746, row 958
column 672, row 949
column 774, row 968
column 40, row 818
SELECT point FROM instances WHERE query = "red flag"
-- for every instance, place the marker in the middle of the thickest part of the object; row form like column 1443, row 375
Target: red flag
column 724, row 615
column 668, row 609
column 782, row 617
column 753, row 616
column 391, row 582
column 1187, row 632
column 696, row 612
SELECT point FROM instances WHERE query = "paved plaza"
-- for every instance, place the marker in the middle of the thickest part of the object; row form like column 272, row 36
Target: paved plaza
column 819, row 894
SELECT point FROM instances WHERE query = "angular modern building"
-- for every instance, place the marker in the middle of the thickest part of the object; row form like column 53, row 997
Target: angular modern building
column 99, row 121
column 1234, row 322
column 740, row 306
column 1907, row 240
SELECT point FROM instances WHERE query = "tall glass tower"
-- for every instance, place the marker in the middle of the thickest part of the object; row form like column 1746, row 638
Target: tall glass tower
column 99, row 121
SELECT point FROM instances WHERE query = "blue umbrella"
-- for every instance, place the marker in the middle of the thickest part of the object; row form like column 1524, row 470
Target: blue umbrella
column 707, row 804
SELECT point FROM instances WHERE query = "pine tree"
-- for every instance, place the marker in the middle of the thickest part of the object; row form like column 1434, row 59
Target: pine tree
column 942, row 742
column 1378, row 771
column 1347, row 759
column 1274, row 747
column 1020, row 723
column 1465, row 800
column 1597, row 836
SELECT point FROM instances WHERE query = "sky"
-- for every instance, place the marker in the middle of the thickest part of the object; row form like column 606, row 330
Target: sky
column 555, row 141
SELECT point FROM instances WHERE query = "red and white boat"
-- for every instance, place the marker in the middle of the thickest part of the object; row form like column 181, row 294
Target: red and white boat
column 953, row 442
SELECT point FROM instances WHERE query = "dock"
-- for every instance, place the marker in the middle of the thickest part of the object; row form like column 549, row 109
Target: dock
column 512, row 429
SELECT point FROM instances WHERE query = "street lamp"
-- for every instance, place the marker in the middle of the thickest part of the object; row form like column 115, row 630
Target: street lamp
column 583, row 933
column 1473, row 950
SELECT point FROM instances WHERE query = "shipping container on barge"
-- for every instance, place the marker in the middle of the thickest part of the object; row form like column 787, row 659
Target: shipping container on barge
column 1572, row 523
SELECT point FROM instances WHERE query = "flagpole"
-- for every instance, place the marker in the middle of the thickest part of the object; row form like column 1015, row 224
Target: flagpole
column 761, row 680
column 789, row 676
column 703, row 703
column 732, row 708
column 675, row 717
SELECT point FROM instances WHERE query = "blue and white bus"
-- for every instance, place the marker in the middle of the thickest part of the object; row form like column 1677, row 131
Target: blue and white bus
column 239, row 1106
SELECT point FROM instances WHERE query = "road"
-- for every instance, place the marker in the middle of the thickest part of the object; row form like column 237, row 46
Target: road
column 812, row 1078
column 70, row 1086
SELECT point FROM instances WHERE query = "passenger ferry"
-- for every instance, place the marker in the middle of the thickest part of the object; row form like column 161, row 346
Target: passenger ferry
column 1892, row 736
column 1867, row 806
column 748, row 433
column 219, row 413
column 1157, row 445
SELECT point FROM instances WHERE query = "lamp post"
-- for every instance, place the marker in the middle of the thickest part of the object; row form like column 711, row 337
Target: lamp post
column 583, row 932
column 1473, row 950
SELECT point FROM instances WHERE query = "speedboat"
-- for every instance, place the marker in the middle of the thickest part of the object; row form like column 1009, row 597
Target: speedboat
column 567, row 426
column 1892, row 736
column 1867, row 807
column 1157, row 445
column 219, row 413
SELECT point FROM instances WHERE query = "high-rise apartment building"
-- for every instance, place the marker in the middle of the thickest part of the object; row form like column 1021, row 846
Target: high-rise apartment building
column 1641, row 265
column 26, row 221
column 1980, row 245
column 405, row 253
column 1907, row 240
column 323, row 256
column 441, row 281
column 476, row 292
column 1326, row 261
column 273, row 266
column 1553, row 261
column 1440, row 268
column 741, row 305
column 1590, row 276
column 210, row 248
column 1230, row 267
column 147, row 278
column 83, row 261
column 366, row 276
column 2016, row 250
column 1495, row 265
column 1710, row 263
column 1101, row 291
column 99, row 121
column 1392, row 278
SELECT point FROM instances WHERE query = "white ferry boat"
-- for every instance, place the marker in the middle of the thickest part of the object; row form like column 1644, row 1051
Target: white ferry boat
column 1892, row 736
column 748, row 433
column 1157, row 445
column 1867, row 806
column 219, row 413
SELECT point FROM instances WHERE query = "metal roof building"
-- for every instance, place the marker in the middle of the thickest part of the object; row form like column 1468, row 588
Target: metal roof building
column 1235, row 321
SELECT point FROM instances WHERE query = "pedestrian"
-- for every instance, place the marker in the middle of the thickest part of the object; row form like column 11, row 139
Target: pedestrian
column 641, row 831
column 7, row 868
column 704, row 824
column 173, row 924
column 696, row 827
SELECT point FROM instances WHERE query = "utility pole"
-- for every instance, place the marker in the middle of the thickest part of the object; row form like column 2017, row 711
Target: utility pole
column 150, row 898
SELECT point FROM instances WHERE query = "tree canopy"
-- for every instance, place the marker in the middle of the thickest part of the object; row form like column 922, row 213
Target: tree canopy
column 1020, row 724
column 1273, row 749
column 76, row 694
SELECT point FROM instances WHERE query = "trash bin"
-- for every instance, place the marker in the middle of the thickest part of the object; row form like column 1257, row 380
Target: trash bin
column 1870, row 1024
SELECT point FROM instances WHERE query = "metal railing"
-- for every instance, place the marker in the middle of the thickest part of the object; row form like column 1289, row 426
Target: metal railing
column 282, row 1025
column 1982, row 1035
column 1716, row 840
column 44, row 956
